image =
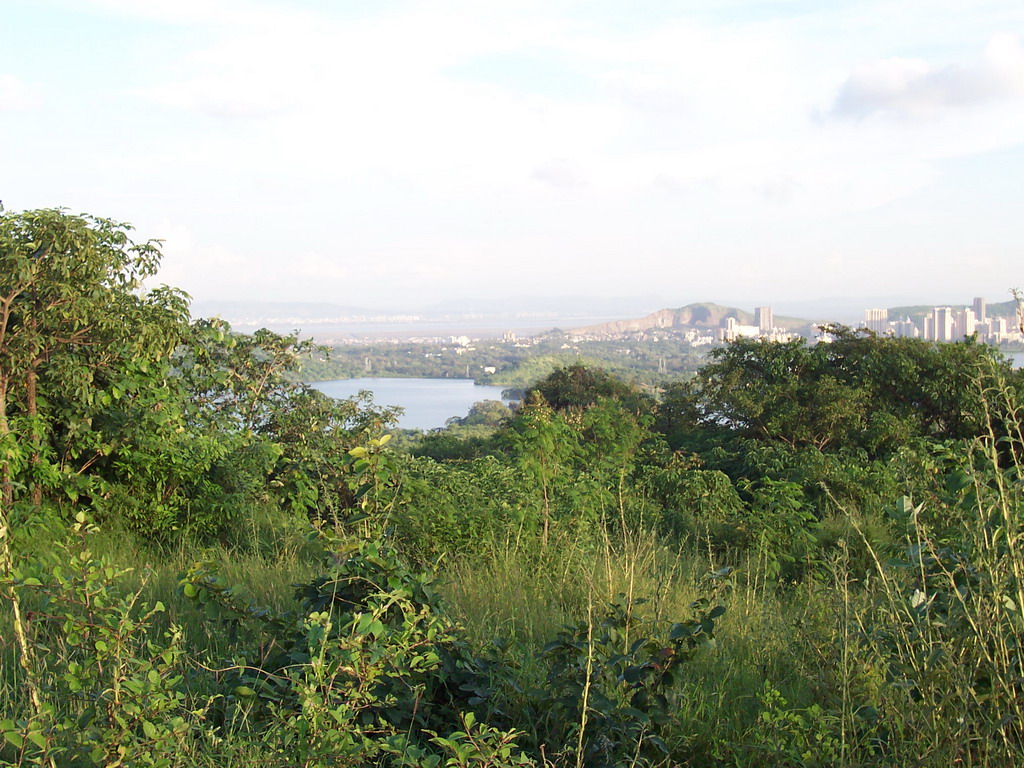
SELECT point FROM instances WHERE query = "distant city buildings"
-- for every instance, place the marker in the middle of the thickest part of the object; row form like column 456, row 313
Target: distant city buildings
column 906, row 329
column 734, row 330
column 943, row 323
column 763, row 328
column 876, row 320
column 979, row 309
column 947, row 324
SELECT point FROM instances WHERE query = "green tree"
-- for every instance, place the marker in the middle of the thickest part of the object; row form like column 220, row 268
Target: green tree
column 544, row 447
column 68, row 288
column 860, row 392
column 489, row 413
column 577, row 387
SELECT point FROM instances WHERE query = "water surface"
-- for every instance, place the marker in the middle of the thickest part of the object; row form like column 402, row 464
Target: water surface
column 428, row 403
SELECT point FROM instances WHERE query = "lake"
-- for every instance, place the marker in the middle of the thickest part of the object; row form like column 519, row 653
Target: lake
column 428, row 403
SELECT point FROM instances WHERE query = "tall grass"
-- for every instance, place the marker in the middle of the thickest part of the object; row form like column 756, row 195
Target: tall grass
column 902, row 649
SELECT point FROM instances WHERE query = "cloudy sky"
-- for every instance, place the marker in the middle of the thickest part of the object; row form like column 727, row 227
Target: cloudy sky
column 394, row 153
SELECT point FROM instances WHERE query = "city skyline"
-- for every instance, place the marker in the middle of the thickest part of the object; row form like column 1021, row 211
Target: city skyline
column 948, row 324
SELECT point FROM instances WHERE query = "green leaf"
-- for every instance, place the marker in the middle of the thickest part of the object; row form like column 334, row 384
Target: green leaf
column 14, row 739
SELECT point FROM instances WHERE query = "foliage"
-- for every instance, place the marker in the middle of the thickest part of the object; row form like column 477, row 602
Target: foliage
column 489, row 413
column 114, row 400
column 369, row 665
column 577, row 387
column 791, row 738
column 608, row 682
column 544, row 447
column 110, row 689
column 859, row 392
column 69, row 320
column 695, row 502
column 464, row 509
column 947, row 626
column 865, row 494
column 313, row 472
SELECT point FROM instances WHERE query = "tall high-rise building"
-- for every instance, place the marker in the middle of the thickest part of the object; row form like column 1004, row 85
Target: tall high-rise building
column 942, row 319
column 980, row 310
column 764, row 319
column 876, row 320
column 964, row 323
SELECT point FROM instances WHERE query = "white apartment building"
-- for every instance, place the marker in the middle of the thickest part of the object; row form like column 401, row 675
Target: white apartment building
column 877, row 320
column 964, row 323
column 942, row 324
column 734, row 330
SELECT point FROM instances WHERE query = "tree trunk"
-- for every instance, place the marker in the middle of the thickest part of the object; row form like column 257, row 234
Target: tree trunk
column 32, row 409
column 32, row 403
column 6, row 475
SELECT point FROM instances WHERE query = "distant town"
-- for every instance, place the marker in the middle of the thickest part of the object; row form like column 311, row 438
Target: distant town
column 694, row 325
column 949, row 324
column 709, row 324
column 945, row 324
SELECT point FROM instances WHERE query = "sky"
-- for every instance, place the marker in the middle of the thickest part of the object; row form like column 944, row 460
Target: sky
column 396, row 154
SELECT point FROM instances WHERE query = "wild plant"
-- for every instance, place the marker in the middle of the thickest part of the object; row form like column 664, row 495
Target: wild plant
column 944, row 623
column 105, row 687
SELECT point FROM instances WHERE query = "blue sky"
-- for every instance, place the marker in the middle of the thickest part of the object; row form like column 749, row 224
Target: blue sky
column 400, row 153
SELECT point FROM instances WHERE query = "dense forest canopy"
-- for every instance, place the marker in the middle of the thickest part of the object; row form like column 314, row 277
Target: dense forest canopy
column 846, row 517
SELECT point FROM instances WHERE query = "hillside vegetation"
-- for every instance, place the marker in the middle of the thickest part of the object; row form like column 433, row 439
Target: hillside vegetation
column 800, row 556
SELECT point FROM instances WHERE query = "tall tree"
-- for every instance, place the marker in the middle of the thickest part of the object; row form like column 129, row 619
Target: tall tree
column 68, row 286
column 859, row 392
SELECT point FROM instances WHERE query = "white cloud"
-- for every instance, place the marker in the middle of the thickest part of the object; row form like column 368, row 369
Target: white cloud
column 414, row 148
column 911, row 88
